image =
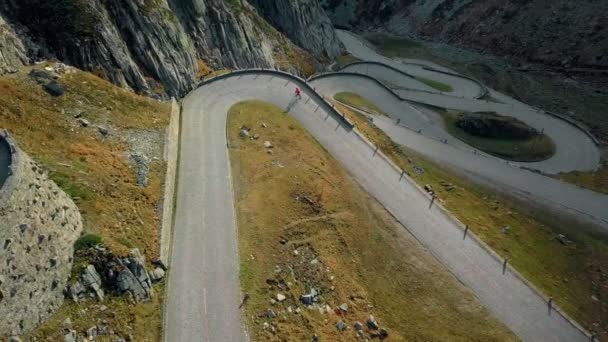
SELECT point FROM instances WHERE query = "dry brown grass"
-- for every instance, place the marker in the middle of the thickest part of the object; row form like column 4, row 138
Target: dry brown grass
column 203, row 69
column 92, row 169
column 299, row 198
column 572, row 274
column 596, row 181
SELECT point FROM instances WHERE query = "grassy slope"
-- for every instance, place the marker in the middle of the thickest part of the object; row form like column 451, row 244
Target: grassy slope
column 524, row 150
column 446, row 88
column 96, row 172
column 358, row 101
column 346, row 59
column 400, row 283
column 537, row 89
column 571, row 274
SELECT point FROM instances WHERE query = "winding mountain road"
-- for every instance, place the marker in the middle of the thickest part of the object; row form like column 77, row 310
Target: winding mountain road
column 203, row 294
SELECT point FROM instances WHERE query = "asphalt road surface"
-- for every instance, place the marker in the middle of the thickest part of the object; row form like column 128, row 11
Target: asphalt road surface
column 203, row 288
column 574, row 149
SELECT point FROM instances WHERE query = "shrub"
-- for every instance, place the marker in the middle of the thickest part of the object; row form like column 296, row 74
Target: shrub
column 86, row 241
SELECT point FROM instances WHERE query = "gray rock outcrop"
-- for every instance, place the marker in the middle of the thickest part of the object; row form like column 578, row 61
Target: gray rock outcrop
column 12, row 51
column 39, row 224
column 305, row 23
column 153, row 46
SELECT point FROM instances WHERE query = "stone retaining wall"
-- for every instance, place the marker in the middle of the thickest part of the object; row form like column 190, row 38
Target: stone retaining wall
column 39, row 224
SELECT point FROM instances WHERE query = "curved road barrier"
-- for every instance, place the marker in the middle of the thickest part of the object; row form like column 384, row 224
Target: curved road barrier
column 203, row 286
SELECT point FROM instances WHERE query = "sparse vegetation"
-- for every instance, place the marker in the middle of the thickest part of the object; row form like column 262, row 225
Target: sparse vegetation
column 358, row 101
column 570, row 268
column 435, row 84
column 86, row 241
column 594, row 180
column 346, row 59
column 304, row 223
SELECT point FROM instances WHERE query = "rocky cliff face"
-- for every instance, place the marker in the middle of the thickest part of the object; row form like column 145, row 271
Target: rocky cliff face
column 305, row 22
column 558, row 33
column 12, row 51
column 146, row 44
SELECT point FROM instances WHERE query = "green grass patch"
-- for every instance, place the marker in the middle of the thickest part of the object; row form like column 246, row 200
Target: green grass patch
column 74, row 189
column 87, row 241
column 346, row 59
column 392, row 46
column 537, row 147
column 358, row 101
column 435, row 84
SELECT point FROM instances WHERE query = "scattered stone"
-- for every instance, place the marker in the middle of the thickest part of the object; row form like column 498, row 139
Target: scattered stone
column 83, row 122
column 54, row 88
column 295, row 252
column 256, row 136
column 268, row 144
column 594, row 298
column 341, row 326
column 14, row 339
column 289, row 309
column 142, row 164
column 562, row 239
column 372, row 324
column 157, row 274
column 343, row 307
column 71, row 336
column 418, row 170
column 272, row 301
column 67, row 323
column 505, row 230
column 358, row 326
column 92, row 332
column 103, row 308
column 265, row 325
column 243, row 133
column 263, row 125
column 103, row 130
column 281, row 297
column 428, row 188
column 270, row 314
column 307, row 299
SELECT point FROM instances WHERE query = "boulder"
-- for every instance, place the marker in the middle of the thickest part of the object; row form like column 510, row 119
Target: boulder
column 358, row 326
column 103, row 130
column 91, row 279
column 84, row 122
column 71, row 336
column 54, row 88
column 42, row 76
column 157, row 274
column 371, row 323
column 281, row 297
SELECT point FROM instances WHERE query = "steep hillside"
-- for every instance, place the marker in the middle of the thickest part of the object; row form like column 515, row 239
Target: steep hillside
column 154, row 45
column 560, row 33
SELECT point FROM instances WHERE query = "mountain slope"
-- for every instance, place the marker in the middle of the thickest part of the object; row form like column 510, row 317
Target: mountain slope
column 557, row 33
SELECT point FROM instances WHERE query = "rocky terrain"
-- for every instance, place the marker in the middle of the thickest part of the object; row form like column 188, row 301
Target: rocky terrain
column 559, row 33
column 154, row 45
